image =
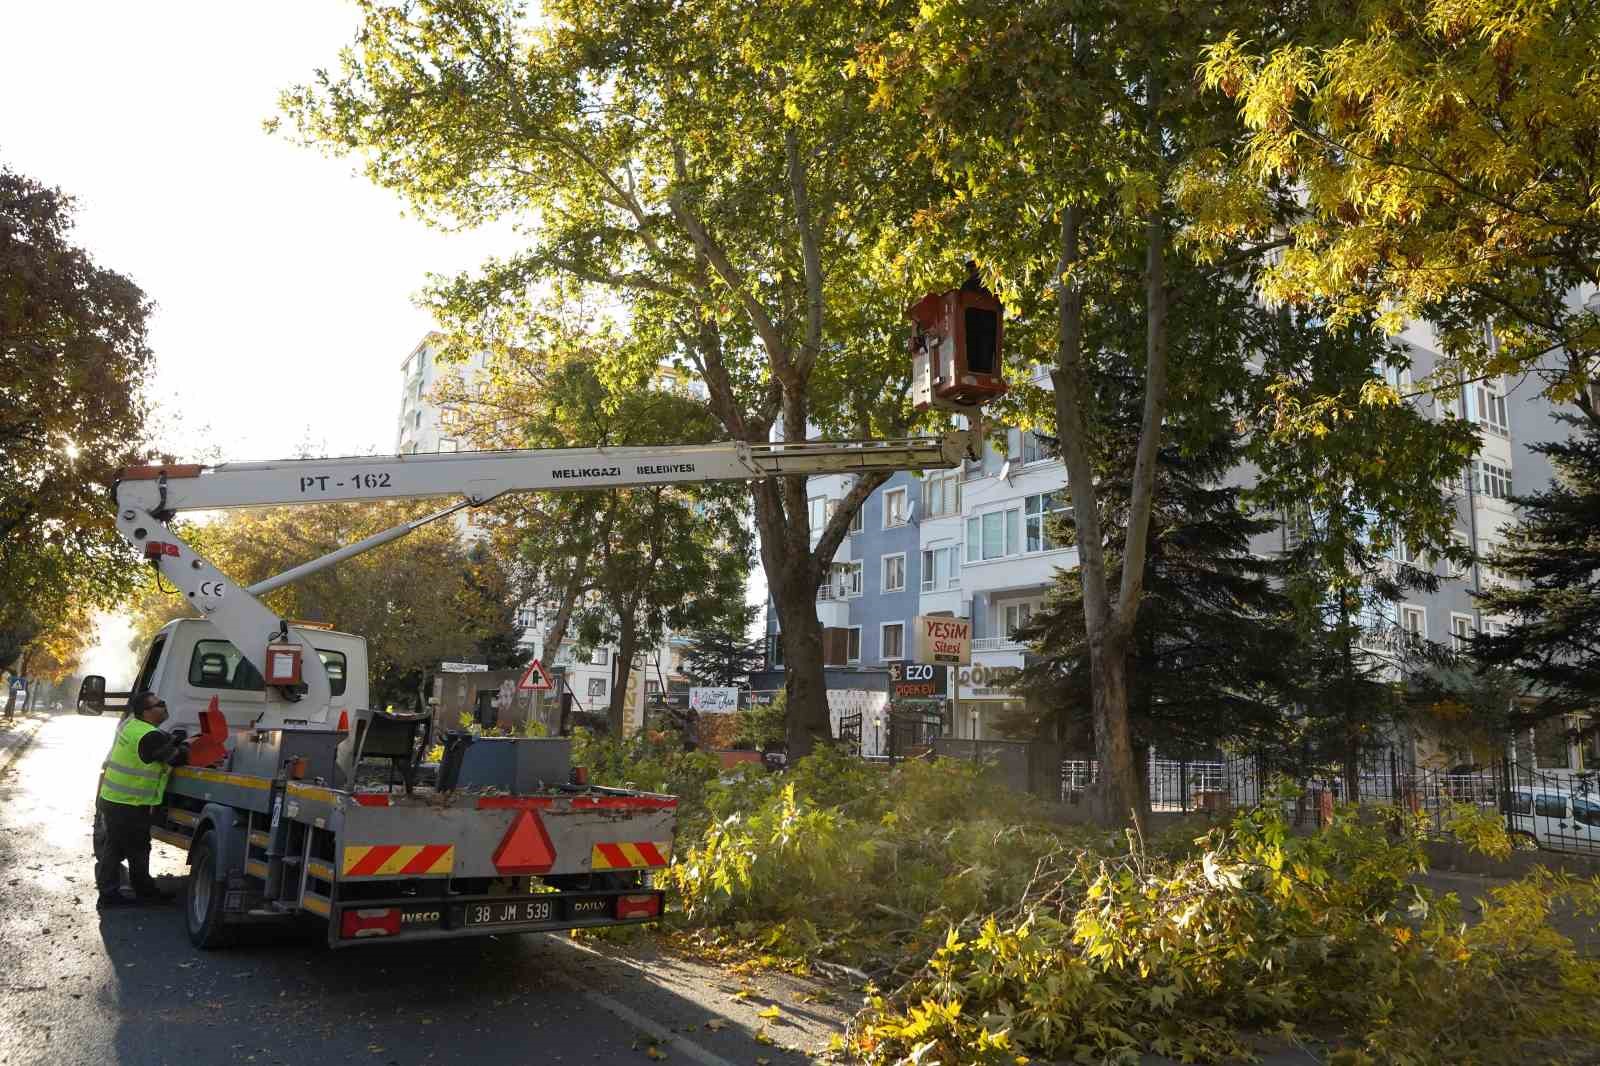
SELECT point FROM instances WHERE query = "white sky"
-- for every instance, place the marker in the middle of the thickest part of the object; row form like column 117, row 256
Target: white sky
column 283, row 279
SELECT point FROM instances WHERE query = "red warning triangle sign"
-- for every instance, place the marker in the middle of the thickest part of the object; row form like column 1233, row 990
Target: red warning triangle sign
column 525, row 849
column 536, row 678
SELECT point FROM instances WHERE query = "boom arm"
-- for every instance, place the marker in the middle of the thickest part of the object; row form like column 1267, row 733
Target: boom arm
column 148, row 497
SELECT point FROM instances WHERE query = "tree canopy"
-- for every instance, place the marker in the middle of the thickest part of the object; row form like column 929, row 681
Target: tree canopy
column 620, row 566
column 705, row 167
column 1446, row 151
column 73, row 364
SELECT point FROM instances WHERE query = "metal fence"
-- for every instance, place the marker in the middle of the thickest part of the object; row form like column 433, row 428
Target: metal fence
column 1555, row 810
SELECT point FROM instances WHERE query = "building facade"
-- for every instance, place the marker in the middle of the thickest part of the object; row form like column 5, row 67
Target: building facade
column 974, row 543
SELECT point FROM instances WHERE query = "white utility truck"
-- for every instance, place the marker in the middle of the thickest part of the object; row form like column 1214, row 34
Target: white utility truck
column 275, row 818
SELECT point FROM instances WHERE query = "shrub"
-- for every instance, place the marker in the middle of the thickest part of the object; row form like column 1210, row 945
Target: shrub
column 1127, row 954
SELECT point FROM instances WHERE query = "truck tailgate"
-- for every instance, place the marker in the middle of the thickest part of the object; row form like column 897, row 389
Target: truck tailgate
column 471, row 836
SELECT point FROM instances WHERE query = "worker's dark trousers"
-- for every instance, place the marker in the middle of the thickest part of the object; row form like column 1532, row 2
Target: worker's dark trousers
column 126, row 837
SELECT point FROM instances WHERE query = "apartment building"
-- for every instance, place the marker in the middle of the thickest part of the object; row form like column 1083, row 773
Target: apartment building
column 971, row 543
column 974, row 543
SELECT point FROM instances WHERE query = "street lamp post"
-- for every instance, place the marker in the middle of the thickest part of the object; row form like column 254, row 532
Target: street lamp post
column 973, row 717
column 877, row 733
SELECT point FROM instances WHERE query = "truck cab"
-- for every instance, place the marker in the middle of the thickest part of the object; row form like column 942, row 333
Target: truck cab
column 189, row 662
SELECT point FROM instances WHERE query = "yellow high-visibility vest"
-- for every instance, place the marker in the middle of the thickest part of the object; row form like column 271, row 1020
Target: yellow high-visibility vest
column 127, row 778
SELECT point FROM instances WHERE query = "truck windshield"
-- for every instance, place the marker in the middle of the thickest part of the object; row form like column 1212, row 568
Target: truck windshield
column 218, row 664
column 1586, row 811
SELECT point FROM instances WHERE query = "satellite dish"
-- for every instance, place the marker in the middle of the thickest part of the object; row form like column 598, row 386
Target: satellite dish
column 1005, row 471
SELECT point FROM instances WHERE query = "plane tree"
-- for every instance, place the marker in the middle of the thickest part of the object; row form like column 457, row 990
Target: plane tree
column 706, row 168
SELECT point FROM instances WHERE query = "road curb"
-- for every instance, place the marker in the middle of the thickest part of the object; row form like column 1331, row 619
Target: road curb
column 30, row 727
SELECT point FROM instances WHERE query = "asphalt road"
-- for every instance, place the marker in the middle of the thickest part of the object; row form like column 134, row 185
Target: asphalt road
column 126, row 987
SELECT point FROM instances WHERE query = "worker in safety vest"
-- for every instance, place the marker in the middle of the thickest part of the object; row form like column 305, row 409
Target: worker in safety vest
column 131, row 789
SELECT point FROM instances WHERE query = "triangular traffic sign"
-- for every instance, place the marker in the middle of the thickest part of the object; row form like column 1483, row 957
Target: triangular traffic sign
column 525, row 849
column 536, row 678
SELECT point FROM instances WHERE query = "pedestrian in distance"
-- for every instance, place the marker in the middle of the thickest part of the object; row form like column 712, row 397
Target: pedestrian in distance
column 132, row 787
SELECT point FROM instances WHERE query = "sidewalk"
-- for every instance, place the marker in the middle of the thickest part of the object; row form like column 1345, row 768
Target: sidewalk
column 17, row 733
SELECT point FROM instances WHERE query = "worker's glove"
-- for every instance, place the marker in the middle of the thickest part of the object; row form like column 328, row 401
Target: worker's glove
column 180, row 755
column 179, row 735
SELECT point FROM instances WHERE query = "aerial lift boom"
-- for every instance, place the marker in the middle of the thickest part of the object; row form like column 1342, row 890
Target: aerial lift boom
column 149, row 497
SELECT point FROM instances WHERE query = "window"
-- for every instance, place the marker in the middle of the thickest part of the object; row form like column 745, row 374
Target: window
column 994, row 535
column 817, row 513
column 853, row 645
column 1296, row 527
column 1549, row 806
column 527, row 617
column 597, row 687
column 1398, row 378
column 1586, row 811
column 1521, row 803
column 1490, row 479
column 846, row 580
column 147, row 673
column 1487, row 408
column 597, row 657
column 1460, row 632
column 1035, row 450
column 652, row 688
column 894, row 508
column 1414, row 622
column 1013, row 617
column 892, row 639
column 857, row 520
column 1494, row 627
column 939, row 569
column 894, row 572
column 775, row 649
column 218, row 664
column 1402, row 552
column 1037, row 509
column 941, row 495
column 1551, row 748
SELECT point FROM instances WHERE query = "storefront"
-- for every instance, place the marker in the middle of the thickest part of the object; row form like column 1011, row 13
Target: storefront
column 984, row 700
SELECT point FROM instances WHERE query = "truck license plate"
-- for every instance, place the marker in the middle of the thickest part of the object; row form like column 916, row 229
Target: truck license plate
column 512, row 913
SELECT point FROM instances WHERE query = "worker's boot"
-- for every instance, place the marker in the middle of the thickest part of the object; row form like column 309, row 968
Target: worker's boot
column 114, row 898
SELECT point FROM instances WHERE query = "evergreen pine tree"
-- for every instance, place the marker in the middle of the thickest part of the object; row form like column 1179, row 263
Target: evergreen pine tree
column 1210, row 651
column 1553, row 551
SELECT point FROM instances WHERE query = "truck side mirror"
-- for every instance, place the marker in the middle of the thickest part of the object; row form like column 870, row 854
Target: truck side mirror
column 92, row 695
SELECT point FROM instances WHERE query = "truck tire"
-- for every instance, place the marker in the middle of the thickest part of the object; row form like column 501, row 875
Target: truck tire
column 203, row 896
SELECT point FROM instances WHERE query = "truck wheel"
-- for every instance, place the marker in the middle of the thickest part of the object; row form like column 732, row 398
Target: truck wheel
column 1522, row 840
column 202, row 897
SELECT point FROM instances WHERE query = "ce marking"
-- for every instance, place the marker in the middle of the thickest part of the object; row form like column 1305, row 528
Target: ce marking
column 212, row 590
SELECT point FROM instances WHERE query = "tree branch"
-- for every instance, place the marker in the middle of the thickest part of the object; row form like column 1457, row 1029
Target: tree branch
column 810, row 254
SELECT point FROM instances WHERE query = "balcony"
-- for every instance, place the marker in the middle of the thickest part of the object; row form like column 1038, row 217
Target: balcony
column 997, row 644
column 833, row 605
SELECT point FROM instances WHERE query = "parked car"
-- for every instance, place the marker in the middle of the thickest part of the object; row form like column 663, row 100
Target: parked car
column 1554, row 819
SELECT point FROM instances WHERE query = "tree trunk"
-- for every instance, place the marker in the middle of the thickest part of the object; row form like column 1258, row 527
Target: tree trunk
column 626, row 646
column 571, row 589
column 1115, row 798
